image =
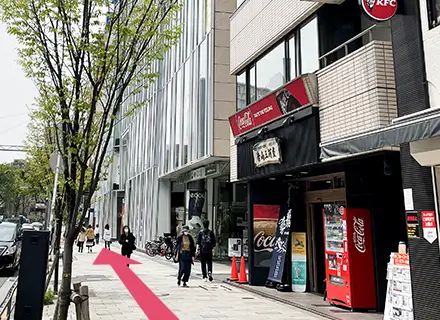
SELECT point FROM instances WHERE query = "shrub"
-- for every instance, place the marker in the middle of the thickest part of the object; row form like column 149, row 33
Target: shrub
column 49, row 297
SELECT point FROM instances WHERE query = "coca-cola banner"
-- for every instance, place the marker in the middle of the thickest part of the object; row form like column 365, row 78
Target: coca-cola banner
column 265, row 226
column 285, row 100
column 280, row 247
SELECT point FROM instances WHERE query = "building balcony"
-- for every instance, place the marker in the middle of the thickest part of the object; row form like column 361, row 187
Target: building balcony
column 357, row 92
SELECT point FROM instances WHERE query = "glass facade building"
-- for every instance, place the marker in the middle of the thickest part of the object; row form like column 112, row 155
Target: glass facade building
column 169, row 136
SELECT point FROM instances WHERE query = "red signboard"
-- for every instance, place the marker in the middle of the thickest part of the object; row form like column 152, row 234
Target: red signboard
column 285, row 100
column 428, row 219
column 380, row 10
column 400, row 259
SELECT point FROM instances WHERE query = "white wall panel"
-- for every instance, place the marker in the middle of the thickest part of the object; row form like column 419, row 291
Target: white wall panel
column 357, row 93
column 233, row 159
column 258, row 24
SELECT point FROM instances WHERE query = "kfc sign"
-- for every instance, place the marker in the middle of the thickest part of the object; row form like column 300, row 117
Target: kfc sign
column 379, row 10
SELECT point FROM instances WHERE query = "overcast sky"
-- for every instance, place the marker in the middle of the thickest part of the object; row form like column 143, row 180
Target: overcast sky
column 16, row 92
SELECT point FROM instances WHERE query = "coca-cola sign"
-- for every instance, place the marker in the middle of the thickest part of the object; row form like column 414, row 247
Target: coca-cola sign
column 379, row 10
column 265, row 225
column 263, row 242
column 299, row 92
column 359, row 234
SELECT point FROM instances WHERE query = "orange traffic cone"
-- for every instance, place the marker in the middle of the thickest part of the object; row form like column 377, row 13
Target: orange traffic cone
column 234, row 274
column 243, row 274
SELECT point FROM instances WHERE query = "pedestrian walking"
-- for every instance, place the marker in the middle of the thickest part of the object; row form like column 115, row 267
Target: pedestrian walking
column 81, row 239
column 205, row 250
column 97, row 234
column 90, row 238
column 185, row 251
column 127, row 241
column 107, row 236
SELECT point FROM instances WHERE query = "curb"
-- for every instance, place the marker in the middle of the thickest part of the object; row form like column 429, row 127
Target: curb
column 275, row 298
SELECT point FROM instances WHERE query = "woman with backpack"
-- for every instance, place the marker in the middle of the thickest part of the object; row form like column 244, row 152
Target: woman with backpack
column 205, row 249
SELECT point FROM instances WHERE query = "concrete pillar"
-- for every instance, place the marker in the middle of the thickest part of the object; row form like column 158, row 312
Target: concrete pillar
column 164, row 212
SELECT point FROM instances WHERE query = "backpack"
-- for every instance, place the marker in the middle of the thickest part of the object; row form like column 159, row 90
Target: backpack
column 206, row 243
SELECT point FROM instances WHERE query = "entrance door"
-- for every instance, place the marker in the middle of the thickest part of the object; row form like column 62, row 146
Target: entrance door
column 315, row 240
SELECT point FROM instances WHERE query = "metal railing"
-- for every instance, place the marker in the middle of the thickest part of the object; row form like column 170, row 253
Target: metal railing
column 323, row 60
column 7, row 307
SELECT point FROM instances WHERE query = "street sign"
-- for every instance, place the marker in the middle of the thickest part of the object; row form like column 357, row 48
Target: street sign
column 53, row 161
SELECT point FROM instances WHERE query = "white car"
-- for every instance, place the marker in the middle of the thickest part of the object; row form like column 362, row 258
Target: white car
column 37, row 225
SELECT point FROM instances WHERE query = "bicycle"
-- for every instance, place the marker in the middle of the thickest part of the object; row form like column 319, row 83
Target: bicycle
column 163, row 247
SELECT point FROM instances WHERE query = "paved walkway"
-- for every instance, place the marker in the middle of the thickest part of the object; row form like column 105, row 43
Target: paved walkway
column 110, row 300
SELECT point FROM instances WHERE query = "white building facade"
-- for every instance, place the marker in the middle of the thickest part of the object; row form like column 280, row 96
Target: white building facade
column 177, row 146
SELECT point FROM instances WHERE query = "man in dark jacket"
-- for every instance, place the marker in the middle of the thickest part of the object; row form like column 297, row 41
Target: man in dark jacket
column 205, row 248
column 186, row 250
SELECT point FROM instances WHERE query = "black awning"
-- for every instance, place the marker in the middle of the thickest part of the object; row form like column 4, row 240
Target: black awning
column 423, row 127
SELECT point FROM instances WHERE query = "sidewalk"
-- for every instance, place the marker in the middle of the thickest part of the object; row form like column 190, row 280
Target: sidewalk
column 109, row 300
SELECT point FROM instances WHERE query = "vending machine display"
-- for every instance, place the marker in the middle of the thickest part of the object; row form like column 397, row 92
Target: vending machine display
column 349, row 257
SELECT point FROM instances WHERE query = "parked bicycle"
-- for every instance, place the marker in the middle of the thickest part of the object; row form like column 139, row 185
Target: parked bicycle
column 163, row 247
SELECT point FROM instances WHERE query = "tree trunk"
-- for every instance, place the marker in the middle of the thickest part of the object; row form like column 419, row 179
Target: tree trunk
column 65, row 290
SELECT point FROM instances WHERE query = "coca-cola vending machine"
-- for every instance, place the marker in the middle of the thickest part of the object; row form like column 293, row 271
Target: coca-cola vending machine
column 350, row 279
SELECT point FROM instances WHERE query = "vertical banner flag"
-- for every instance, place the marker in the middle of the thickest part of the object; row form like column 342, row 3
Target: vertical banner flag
column 280, row 247
column 299, row 262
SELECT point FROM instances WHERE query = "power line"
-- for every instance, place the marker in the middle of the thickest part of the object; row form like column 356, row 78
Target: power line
column 15, row 148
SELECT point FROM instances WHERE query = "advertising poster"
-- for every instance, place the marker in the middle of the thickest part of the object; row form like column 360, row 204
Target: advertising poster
column 265, row 227
column 429, row 226
column 234, row 247
column 299, row 262
column 398, row 303
column 280, row 247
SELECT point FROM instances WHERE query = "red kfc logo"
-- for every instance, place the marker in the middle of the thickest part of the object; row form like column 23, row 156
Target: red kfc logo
column 379, row 10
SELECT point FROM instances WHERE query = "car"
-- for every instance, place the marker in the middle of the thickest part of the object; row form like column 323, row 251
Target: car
column 37, row 225
column 10, row 246
column 27, row 226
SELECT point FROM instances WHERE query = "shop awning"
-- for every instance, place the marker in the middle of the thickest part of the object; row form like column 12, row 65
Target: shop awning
column 406, row 129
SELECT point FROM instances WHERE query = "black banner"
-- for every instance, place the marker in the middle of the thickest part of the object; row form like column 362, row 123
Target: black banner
column 280, row 247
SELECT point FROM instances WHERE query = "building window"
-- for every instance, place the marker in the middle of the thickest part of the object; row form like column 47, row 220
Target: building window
column 309, row 47
column 292, row 58
column 271, row 71
column 241, row 91
column 252, row 85
column 239, row 2
column 434, row 12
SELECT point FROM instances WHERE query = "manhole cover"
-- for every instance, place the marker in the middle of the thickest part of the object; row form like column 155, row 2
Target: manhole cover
column 247, row 298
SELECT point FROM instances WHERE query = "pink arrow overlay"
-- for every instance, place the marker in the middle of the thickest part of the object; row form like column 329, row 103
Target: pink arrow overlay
column 150, row 304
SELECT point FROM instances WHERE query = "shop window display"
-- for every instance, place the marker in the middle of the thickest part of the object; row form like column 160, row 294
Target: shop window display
column 230, row 218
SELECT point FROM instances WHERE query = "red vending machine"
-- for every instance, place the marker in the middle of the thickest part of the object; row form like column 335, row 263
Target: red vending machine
column 349, row 257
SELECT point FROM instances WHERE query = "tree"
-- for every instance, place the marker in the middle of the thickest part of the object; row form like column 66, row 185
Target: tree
column 83, row 56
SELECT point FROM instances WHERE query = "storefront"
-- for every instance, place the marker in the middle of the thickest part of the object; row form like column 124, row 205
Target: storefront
column 319, row 206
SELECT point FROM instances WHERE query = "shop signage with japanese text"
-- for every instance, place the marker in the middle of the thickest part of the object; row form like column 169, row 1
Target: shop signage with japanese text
column 278, row 103
column 379, row 10
column 429, row 226
column 267, row 152
column 412, row 224
column 280, row 247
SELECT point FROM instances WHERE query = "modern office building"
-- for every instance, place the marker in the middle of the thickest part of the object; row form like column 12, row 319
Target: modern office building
column 171, row 159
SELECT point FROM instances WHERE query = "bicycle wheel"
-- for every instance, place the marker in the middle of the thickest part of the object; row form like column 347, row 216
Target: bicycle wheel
column 169, row 253
column 149, row 250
